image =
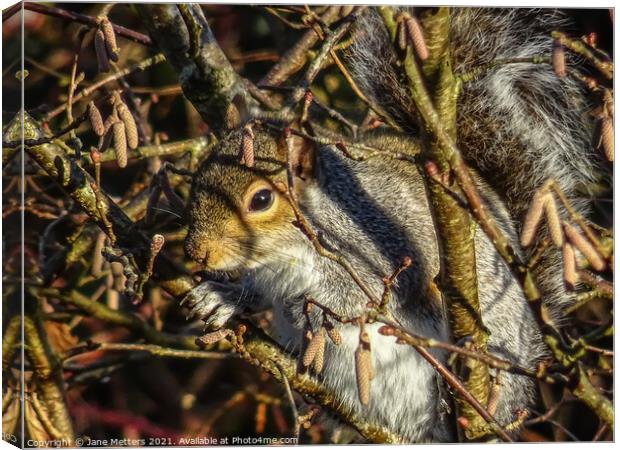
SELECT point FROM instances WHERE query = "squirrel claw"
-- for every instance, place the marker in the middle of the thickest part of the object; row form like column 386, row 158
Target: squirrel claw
column 213, row 302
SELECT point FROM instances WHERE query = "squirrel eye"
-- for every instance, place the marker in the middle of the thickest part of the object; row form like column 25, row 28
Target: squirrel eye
column 262, row 200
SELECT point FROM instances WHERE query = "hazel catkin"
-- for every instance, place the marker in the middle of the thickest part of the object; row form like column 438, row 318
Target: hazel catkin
column 319, row 358
column 416, row 36
column 247, row 146
column 553, row 220
column 584, row 246
column 96, row 121
column 569, row 266
column 558, row 59
column 314, row 346
column 533, row 217
column 363, row 372
column 215, row 336
column 109, row 39
column 100, row 50
column 607, row 137
column 120, row 143
column 305, row 342
column 131, row 128
column 332, row 332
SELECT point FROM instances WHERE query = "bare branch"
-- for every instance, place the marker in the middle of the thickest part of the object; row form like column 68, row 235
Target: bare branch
column 205, row 74
column 86, row 20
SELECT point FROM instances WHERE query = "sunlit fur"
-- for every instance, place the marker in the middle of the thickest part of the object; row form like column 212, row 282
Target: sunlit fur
column 224, row 233
column 518, row 124
column 375, row 212
column 373, row 220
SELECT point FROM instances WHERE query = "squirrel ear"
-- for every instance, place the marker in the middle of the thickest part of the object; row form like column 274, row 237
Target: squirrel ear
column 303, row 154
column 237, row 112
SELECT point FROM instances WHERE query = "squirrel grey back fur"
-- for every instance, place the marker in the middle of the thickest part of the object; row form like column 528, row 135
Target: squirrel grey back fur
column 518, row 125
column 375, row 212
column 517, row 119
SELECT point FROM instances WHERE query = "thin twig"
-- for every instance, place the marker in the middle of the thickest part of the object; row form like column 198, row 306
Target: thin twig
column 86, row 20
column 291, row 400
column 579, row 47
column 156, row 350
column 139, row 67
column 456, row 384
column 331, row 38
column 295, row 58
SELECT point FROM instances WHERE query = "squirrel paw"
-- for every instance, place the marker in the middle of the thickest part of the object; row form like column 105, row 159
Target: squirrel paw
column 213, row 302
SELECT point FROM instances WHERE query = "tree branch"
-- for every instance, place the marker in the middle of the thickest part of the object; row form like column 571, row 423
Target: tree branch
column 294, row 59
column 86, row 20
column 459, row 283
column 206, row 76
column 50, row 383
column 261, row 351
column 433, row 123
column 77, row 183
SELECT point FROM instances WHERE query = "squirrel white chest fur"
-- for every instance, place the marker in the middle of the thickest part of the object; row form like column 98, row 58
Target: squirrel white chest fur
column 404, row 392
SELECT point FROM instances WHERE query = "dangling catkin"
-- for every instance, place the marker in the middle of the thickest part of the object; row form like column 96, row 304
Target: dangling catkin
column 319, row 358
column 248, row 146
column 417, row 37
column 584, row 246
column 130, row 124
column 305, row 342
column 110, row 39
column 317, row 342
column 558, row 59
column 532, row 218
column 365, row 342
column 96, row 121
column 401, row 34
column 100, row 50
column 607, row 137
column 363, row 373
column 332, row 332
column 494, row 396
column 570, row 272
column 212, row 338
column 120, row 144
column 553, row 220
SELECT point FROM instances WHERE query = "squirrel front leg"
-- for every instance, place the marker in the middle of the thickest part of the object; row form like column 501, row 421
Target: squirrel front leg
column 216, row 302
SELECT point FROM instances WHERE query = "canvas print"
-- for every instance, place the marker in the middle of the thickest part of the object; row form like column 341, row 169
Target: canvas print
column 306, row 224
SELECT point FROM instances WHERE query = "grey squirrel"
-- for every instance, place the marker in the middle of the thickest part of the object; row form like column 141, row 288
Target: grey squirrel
column 518, row 125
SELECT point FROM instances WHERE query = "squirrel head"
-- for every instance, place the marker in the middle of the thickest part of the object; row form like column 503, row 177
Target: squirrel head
column 237, row 215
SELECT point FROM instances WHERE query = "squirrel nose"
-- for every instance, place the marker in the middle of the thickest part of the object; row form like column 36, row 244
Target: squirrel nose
column 195, row 250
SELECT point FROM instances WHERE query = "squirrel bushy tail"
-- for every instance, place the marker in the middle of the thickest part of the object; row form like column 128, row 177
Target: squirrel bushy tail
column 518, row 124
